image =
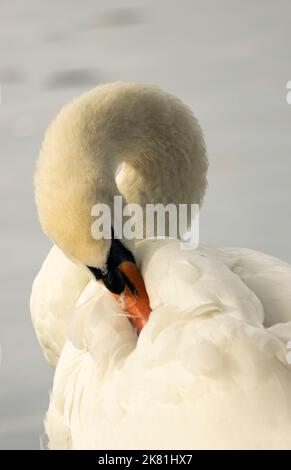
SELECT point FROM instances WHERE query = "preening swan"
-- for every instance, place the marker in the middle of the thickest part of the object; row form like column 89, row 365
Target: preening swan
column 209, row 369
column 162, row 150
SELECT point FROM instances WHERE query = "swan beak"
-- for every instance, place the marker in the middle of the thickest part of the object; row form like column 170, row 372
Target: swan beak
column 122, row 278
column 134, row 298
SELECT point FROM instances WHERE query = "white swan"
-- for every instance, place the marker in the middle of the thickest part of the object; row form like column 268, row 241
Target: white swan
column 209, row 369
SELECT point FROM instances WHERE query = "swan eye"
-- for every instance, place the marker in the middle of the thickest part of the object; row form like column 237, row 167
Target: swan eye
column 113, row 278
column 114, row 281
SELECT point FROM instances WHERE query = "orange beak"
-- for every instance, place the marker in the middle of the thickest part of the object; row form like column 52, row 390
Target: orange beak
column 135, row 303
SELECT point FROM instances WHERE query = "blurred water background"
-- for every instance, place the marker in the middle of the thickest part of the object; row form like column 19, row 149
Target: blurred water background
column 228, row 59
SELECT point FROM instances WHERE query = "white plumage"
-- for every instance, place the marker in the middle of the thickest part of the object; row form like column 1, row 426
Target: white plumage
column 209, row 370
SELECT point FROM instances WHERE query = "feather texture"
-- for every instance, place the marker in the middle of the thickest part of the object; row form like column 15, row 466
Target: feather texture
column 209, row 370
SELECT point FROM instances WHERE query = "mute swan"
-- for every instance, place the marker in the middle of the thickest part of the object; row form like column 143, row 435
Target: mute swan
column 209, row 369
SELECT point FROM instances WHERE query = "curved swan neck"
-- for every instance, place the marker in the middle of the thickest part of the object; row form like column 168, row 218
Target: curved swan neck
column 151, row 132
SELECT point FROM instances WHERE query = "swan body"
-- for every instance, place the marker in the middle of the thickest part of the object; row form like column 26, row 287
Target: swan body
column 209, row 369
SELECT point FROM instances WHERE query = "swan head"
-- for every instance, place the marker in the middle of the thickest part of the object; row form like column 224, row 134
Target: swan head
column 161, row 146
